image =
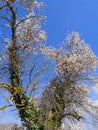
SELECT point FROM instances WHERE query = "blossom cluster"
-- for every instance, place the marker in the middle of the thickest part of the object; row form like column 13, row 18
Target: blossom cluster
column 29, row 32
column 78, row 58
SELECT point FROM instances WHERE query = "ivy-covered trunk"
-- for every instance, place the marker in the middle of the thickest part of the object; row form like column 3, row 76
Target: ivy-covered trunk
column 30, row 117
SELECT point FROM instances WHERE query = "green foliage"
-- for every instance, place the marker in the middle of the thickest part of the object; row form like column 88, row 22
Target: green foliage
column 30, row 116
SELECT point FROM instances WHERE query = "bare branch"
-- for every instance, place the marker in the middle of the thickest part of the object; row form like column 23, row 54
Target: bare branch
column 3, row 7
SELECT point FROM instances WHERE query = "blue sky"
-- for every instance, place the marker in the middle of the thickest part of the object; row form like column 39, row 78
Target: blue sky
column 65, row 16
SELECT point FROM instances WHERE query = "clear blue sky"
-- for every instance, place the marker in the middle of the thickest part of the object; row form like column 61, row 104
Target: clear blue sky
column 65, row 16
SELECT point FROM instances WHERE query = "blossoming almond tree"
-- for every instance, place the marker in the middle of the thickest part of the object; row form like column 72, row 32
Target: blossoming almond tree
column 67, row 94
column 19, row 56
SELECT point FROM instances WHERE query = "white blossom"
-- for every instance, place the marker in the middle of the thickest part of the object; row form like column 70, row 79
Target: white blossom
column 78, row 57
column 30, row 33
